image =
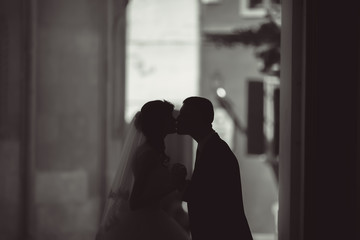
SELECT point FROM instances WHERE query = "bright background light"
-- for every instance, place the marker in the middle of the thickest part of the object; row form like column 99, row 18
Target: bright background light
column 221, row 92
column 162, row 52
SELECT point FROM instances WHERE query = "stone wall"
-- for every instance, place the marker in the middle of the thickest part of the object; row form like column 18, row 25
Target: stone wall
column 56, row 115
column 12, row 82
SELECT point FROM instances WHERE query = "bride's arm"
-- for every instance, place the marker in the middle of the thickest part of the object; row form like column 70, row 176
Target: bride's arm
column 179, row 173
column 145, row 193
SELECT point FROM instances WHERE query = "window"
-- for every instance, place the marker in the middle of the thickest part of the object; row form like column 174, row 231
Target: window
column 255, row 8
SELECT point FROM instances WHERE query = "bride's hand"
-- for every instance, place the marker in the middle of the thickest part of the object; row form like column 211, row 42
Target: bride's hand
column 178, row 175
column 179, row 170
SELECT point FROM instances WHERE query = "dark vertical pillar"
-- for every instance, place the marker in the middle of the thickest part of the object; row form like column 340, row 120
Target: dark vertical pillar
column 319, row 114
column 358, row 150
column 113, row 29
column 291, row 120
column 13, row 79
column 331, row 121
column 276, row 121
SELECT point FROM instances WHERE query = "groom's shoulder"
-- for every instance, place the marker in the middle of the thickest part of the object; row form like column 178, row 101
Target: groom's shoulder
column 216, row 144
column 219, row 141
column 219, row 146
column 218, row 150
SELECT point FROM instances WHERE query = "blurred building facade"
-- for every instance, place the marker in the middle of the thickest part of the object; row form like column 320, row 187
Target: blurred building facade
column 233, row 69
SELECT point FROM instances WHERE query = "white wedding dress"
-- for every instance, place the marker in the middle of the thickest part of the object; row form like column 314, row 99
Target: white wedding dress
column 147, row 221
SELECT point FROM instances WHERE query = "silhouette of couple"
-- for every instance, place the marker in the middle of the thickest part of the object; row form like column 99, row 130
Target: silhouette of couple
column 145, row 177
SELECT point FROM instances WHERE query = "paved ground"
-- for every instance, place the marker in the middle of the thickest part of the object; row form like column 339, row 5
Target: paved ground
column 264, row 236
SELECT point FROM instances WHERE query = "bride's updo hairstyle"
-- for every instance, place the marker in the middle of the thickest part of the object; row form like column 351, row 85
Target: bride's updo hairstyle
column 153, row 116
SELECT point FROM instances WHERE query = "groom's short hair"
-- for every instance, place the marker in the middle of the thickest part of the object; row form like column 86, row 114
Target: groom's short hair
column 202, row 108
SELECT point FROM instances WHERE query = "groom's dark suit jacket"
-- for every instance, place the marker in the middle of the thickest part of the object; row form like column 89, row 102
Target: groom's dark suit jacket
column 214, row 194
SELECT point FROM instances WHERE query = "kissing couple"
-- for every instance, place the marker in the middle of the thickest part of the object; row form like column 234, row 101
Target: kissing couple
column 145, row 177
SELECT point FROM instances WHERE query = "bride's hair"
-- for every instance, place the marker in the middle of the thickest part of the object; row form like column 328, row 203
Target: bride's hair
column 150, row 120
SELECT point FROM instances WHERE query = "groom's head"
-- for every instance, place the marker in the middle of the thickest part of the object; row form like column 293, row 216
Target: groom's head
column 196, row 113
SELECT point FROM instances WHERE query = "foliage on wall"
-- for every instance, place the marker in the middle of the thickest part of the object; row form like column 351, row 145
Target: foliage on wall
column 265, row 38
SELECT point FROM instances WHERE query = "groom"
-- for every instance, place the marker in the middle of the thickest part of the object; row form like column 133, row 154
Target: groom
column 213, row 194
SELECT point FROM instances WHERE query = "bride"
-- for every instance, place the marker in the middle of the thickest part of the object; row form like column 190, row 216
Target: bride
column 143, row 180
